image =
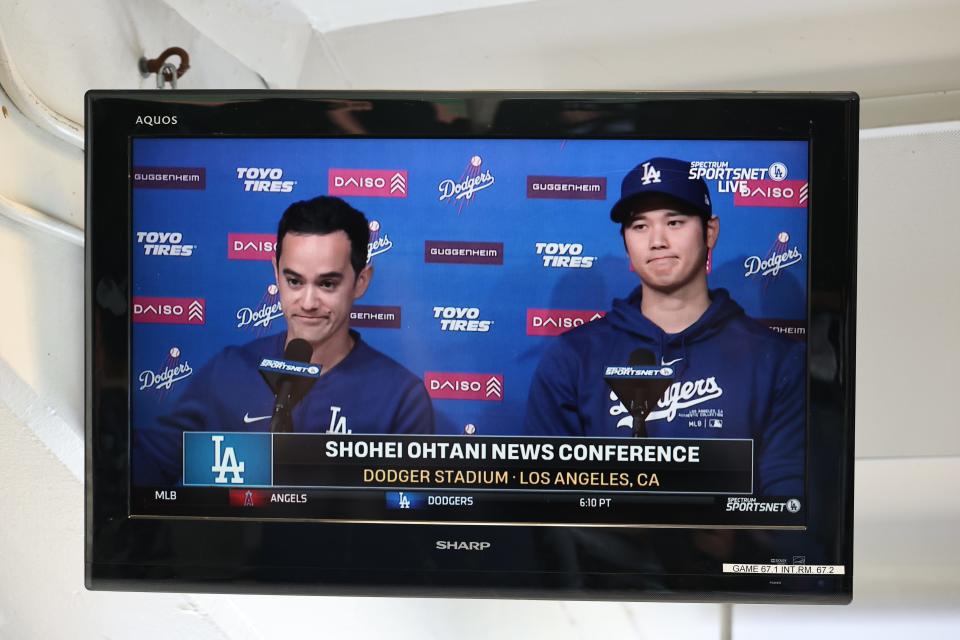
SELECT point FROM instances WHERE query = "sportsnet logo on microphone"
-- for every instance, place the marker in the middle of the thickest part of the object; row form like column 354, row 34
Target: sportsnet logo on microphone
column 289, row 367
column 264, row 180
column 263, row 313
column 370, row 183
column 169, row 310
column 553, row 322
column 227, row 459
column 173, row 370
column 464, row 386
column 251, row 246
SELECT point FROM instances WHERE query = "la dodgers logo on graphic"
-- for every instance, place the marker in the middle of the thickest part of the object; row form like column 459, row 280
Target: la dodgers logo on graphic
column 225, row 462
column 338, row 423
column 650, row 174
column 680, row 395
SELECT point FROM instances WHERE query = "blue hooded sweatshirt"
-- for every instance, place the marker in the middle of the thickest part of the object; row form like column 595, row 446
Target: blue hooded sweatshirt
column 367, row 392
column 734, row 378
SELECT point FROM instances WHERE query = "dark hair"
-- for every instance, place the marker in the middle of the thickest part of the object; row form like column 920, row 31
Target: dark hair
column 324, row 215
column 652, row 201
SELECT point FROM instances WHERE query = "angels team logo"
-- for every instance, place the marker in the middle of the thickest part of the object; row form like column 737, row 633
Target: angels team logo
column 263, row 313
column 461, row 192
column 173, row 370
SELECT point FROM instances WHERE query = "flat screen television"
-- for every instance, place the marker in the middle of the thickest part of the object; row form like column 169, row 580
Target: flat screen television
column 547, row 345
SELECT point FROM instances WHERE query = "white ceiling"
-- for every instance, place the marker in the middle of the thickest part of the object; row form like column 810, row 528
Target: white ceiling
column 903, row 58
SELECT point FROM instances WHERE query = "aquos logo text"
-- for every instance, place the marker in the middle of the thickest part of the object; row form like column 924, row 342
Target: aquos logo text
column 564, row 254
column 151, row 121
column 164, row 243
column 264, row 179
column 464, row 386
column 461, row 319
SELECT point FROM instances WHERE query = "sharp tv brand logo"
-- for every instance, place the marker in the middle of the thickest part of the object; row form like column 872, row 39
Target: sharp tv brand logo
column 464, row 386
column 263, row 313
column 152, row 121
column 462, row 545
column 444, row 252
column 172, row 371
column 251, row 246
column 170, row 178
column 771, row 193
column 226, row 459
column 763, row 506
column 559, row 255
column 461, row 319
column 375, row 317
column 264, row 180
column 553, row 322
column 372, row 183
column 473, row 180
column 164, row 243
column 169, row 310
column 779, row 257
column 566, row 188
column 379, row 241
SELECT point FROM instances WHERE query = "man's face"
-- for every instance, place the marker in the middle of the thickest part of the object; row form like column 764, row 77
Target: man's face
column 317, row 285
column 667, row 248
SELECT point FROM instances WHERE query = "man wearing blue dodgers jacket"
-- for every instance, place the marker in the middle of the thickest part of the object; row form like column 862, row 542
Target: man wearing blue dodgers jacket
column 321, row 269
column 733, row 378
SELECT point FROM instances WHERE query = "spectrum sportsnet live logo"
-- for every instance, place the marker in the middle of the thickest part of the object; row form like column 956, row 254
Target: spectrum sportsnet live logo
column 251, row 246
column 553, row 322
column 371, row 183
column 169, row 310
column 464, row 386
column 264, row 180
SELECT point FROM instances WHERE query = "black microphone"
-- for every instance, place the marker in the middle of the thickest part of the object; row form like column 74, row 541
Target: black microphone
column 639, row 395
column 290, row 388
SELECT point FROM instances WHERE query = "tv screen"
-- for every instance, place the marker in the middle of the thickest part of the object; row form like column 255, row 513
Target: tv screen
column 523, row 345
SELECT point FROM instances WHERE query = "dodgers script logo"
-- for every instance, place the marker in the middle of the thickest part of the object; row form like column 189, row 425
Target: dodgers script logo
column 218, row 459
column 260, row 316
column 680, row 395
column 472, row 181
column 779, row 257
column 173, row 370
column 379, row 242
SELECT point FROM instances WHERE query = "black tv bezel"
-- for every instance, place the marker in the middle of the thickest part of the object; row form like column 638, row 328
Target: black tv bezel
column 124, row 553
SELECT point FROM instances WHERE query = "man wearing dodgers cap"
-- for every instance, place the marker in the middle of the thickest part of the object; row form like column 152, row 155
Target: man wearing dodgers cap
column 731, row 376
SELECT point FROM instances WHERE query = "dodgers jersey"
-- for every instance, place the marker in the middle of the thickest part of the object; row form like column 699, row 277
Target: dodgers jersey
column 733, row 378
column 367, row 392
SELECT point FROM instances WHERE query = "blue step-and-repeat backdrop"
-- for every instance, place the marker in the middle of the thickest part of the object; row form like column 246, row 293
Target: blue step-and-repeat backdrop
column 511, row 236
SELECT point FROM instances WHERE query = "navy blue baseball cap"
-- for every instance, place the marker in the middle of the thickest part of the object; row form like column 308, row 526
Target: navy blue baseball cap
column 664, row 176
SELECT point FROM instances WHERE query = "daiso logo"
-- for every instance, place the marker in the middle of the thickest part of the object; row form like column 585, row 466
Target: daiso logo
column 553, row 322
column 169, row 310
column 464, row 386
column 251, row 246
column 373, row 183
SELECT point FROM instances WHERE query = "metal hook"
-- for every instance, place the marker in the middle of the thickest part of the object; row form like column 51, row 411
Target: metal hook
column 166, row 71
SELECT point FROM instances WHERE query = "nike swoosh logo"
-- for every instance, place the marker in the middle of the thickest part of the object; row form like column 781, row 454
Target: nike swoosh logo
column 667, row 364
column 247, row 419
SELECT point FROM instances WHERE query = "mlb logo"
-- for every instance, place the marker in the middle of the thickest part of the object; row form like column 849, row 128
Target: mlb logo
column 229, row 460
column 715, row 423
